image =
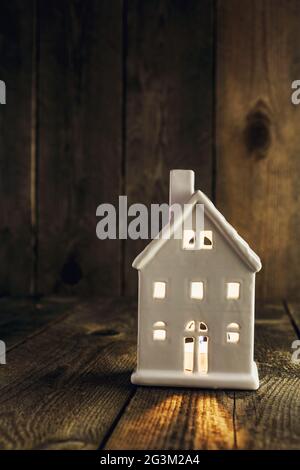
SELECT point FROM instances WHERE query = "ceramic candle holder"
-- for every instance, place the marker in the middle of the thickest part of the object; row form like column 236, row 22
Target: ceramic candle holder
column 196, row 300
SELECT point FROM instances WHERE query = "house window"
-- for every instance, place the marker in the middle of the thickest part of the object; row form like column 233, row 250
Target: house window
column 203, row 326
column 190, row 326
column 233, row 336
column 159, row 290
column 233, row 290
column 233, row 326
column 206, row 240
column 197, row 290
column 188, row 240
column 159, row 331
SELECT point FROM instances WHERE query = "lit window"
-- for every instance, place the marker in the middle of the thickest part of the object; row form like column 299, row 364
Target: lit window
column 197, row 290
column 232, row 337
column 233, row 326
column 203, row 326
column 233, row 290
column 159, row 290
column 190, row 326
column 159, row 331
column 189, row 240
column 206, row 240
column 159, row 335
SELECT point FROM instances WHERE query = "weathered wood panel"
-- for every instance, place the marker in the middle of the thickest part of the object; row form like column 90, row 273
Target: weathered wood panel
column 184, row 419
column 22, row 318
column 68, row 387
column 169, row 105
column 16, row 127
column 79, row 108
column 106, row 97
column 294, row 312
column 269, row 418
column 258, row 143
column 63, row 388
column 175, row 419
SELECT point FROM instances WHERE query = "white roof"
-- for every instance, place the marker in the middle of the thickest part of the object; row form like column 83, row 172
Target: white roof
column 234, row 239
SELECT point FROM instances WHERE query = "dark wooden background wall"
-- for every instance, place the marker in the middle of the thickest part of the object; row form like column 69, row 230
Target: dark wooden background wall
column 104, row 97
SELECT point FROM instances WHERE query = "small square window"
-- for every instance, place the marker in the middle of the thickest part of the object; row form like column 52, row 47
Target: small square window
column 189, row 240
column 159, row 335
column 232, row 337
column 206, row 240
column 197, row 290
column 233, row 290
column 159, row 290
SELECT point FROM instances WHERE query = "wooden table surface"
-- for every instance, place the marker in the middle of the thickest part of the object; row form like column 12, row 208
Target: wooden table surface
column 66, row 384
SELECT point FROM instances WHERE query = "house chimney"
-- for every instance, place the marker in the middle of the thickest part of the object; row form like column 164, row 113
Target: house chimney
column 181, row 186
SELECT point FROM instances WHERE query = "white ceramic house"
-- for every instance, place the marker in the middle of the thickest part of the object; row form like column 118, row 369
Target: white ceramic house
column 196, row 302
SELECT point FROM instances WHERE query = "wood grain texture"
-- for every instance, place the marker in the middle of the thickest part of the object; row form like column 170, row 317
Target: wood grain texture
column 68, row 387
column 175, row 419
column 22, row 318
column 258, row 142
column 269, row 418
column 169, row 106
column 184, row 419
column 16, row 121
column 63, row 388
column 80, row 87
column 294, row 312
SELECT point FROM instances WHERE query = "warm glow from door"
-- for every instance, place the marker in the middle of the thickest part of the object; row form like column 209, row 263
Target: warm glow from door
column 189, row 344
column 203, row 354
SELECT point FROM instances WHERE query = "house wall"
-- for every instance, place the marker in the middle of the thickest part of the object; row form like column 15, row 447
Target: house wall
column 214, row 267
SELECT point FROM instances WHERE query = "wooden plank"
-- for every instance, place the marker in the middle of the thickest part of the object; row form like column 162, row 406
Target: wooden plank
column 184, row 419
column 64, row 388
column 169, row 118
column 269, row 418
column 80, row 88
column 175, row 419
column 16, row 122
column 22, row 318
column 257, row 134
column 294, row 311
column 74, row 377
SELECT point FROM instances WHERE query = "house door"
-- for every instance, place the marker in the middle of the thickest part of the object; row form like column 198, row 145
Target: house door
column 203, row 354
column 196, row 354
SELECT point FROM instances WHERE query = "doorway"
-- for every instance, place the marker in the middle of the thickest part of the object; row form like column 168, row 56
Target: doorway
column 196, row 354
column 203, row 354
column 189, row 347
